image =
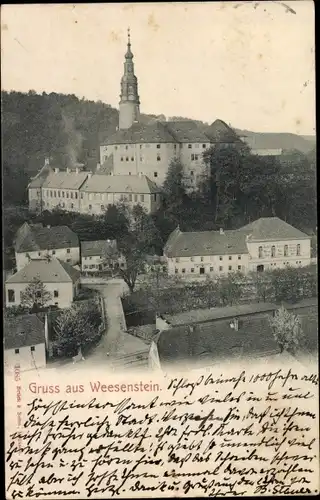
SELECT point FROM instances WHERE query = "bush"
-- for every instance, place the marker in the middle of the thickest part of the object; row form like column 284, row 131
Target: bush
column 287, row 330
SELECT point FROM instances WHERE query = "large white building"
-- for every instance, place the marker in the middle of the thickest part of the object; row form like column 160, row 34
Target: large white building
column 267, row 243
column 60, row 279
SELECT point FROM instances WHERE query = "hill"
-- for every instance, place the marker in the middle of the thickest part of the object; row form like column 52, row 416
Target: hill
column 286, row 141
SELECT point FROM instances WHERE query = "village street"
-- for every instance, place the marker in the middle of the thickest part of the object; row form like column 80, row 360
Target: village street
column 116, row 349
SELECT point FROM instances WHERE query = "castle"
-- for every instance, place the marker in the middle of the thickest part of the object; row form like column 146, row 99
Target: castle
column 133, row 161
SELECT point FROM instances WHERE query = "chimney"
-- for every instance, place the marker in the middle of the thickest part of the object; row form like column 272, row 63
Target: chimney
column 111, row 173
column 68, row 170
column 77, row 170
column 89, row 175
column 221, row 230
column 98, row 166
column 140, row 174
column 48, row 227
column 56, row 170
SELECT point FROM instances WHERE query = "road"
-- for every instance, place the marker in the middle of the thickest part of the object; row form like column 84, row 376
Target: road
column 116, row 349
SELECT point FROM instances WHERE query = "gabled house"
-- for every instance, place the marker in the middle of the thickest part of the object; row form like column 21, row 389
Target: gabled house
column 100, row 255
column 33, row 241
column 24, row 342
column 59, row 278
column 267, row 243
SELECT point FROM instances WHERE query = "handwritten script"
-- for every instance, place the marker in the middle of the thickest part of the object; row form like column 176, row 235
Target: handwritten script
column 207, row 434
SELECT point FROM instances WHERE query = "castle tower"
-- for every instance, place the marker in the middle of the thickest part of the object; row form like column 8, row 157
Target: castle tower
column 129, row 109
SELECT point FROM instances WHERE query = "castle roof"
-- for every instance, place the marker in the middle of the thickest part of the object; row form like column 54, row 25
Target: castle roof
column 65, row 180
column 272, row 228
column 140, row 184
column 186, row 131
column 189, row 244
column 47, row 270
column 35, row 237
column 141, row 133
column 219, row 131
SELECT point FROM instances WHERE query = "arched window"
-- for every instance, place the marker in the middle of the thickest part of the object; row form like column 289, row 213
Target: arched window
column 298, row 249
column 273, row 251
column 260, row 252
column 285, row 250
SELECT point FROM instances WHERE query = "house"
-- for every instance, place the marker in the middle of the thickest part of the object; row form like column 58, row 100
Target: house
column 206, row 253
column 268, row 243
column 99, row 191
column 214, row 336
column 33, row 241
column 60, row 279
column 24, row 342
column 273, row 243
column 100, row 255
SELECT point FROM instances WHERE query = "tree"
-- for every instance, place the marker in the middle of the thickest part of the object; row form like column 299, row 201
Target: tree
column 230, row 288
column 287, row 330
column 77, row 327
column 288, row 284
column 135, row 259
column 35, row 296
column 146, row 231
column 174, row 186
column 263, row 285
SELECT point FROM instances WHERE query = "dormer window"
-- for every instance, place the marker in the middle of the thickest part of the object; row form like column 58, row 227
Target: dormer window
column 158, row 146
column 189, row 146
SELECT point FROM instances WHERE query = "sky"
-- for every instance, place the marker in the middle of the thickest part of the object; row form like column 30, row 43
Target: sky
column 249, row 64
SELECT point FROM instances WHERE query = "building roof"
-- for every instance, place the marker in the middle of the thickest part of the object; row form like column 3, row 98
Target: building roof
column 199, row 243
column 140, row 184
column 272, row 228
column 142, row 133
column 65, row 180
column 35, row 237
column 38, row 180
column 97, row 248
column 47, row 270
column 219, row 131
column 217, row 341
column 23, row 331
column 186, row 131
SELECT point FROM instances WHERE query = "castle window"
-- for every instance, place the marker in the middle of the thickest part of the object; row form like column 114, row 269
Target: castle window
column 116, row 147
column 201, row 258
column 176, row 271
column 155, row 174
column 142, row 197
column 174, row 146
column 286, row 250
column 132, row 158
column 239, row 268
column 239, row 257
column 130, row 197
column 273, row 251
column 298, row 249
column 71, row 206
column 58, row 194
column 141, row 159
column 127, row 158
column 158, row 146
column 189, row 146
column 260, row 252
column 135, row 197
column 140, row 146
column 230, row 257
column 90, row 207
column 67, row 194
column 177, row 259
column 191, row 173
column 183, row 270
column 204, row 146
column 121, row 158
column 220, row 258
column 50, row 194
column 196, row 157
column 192, row 157
column 230, row 268
column 102, row 208
column 62, row 194
column 126, row 147
column 53, row 252
column 158, row 158
column 55, row 194
column 220, row 268
column 71, row 194
column 76, row 195
column 129, row 173
column 191, row 259
column 16, row 351
column 56, row 293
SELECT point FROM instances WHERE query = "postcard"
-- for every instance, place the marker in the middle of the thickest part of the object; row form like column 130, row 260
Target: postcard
column 160, row 250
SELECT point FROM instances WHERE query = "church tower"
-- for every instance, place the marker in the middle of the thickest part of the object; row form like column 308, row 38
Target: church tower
column 129, row 106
